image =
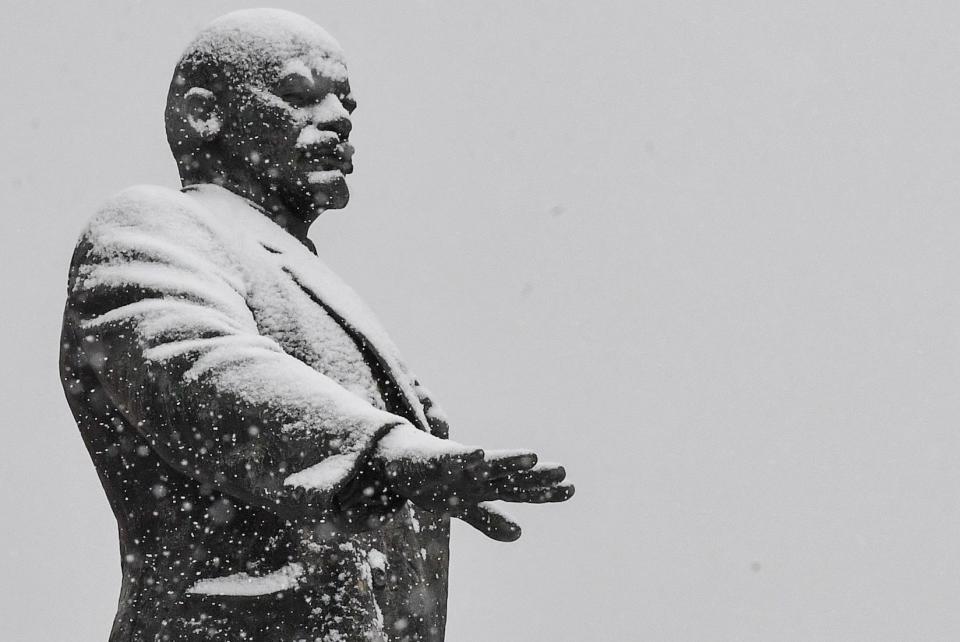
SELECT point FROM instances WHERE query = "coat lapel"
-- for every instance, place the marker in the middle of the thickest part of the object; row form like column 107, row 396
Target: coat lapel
column 327, row 290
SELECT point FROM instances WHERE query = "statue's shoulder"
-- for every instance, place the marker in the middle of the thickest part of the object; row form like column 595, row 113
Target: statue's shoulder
column 143, row 219
column 146, row 205
column 157, row 212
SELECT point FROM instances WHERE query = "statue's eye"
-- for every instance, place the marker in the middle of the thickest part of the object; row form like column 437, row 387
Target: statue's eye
column 295, row 90
column 295, row 98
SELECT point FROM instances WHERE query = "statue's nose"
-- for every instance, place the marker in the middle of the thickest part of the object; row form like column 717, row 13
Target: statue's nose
column 341, row 126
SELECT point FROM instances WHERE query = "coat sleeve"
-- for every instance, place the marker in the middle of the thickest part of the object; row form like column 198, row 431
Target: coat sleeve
column 436, row 418
column 158, row 310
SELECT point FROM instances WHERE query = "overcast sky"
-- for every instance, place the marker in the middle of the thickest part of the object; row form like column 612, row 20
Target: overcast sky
column 706, row 256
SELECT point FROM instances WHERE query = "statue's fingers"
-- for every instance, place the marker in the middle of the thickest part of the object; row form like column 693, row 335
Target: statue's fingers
column 504, row 462
column 542, row 495
column 540, row 475
column 490, row 521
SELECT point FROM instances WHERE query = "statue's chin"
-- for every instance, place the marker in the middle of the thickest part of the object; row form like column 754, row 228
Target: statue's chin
column 338, row 201
column 332, row 196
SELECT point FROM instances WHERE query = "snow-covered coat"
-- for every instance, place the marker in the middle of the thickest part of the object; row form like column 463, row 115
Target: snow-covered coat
column 216, row 367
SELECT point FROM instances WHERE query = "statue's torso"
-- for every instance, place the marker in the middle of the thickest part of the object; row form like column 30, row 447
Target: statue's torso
column 201, row 565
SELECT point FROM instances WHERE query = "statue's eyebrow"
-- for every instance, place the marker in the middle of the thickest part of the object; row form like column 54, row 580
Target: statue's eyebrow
column 296, row 67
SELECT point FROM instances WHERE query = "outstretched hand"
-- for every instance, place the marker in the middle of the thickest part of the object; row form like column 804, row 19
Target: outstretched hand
column 448, row 478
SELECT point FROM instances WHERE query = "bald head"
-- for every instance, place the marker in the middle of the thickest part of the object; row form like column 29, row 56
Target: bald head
column 252, row 44
column 260, row 102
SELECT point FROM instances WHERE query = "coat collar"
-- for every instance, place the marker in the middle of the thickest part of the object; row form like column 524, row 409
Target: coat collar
column 313, row 276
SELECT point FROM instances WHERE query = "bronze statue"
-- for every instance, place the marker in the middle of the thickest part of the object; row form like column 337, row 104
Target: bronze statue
column 276, row 471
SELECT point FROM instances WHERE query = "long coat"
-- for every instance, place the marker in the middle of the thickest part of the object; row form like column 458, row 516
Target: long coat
column 209, row 358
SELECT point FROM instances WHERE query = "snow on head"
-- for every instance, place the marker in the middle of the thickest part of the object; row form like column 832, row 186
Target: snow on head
column 257, row 42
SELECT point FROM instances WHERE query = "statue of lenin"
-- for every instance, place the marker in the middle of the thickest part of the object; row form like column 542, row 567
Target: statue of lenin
column 276, row 471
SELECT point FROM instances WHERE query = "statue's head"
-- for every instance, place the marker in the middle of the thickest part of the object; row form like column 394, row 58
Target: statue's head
column 260, row 103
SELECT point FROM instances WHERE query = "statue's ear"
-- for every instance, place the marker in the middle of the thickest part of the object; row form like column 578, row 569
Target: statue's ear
column 202, row 113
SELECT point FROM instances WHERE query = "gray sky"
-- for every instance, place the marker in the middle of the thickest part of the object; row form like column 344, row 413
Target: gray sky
column 706, row 256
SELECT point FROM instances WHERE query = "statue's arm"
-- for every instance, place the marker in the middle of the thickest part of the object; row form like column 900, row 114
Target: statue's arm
column 158, row 312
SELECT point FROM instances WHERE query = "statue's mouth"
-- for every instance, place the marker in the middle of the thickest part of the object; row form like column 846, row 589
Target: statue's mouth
column 327, row 163
column 330, row 157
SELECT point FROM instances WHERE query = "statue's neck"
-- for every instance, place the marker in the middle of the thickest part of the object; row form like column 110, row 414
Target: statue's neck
column 271, row 205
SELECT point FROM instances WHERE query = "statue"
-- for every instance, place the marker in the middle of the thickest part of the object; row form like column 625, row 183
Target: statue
column 276, row 471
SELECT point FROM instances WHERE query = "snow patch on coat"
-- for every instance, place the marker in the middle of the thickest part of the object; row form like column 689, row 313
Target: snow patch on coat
column 314, row 275
column 283, row 579
column 326, row 475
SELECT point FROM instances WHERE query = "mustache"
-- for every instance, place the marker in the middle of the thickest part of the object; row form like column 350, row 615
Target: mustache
column 329, row 156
